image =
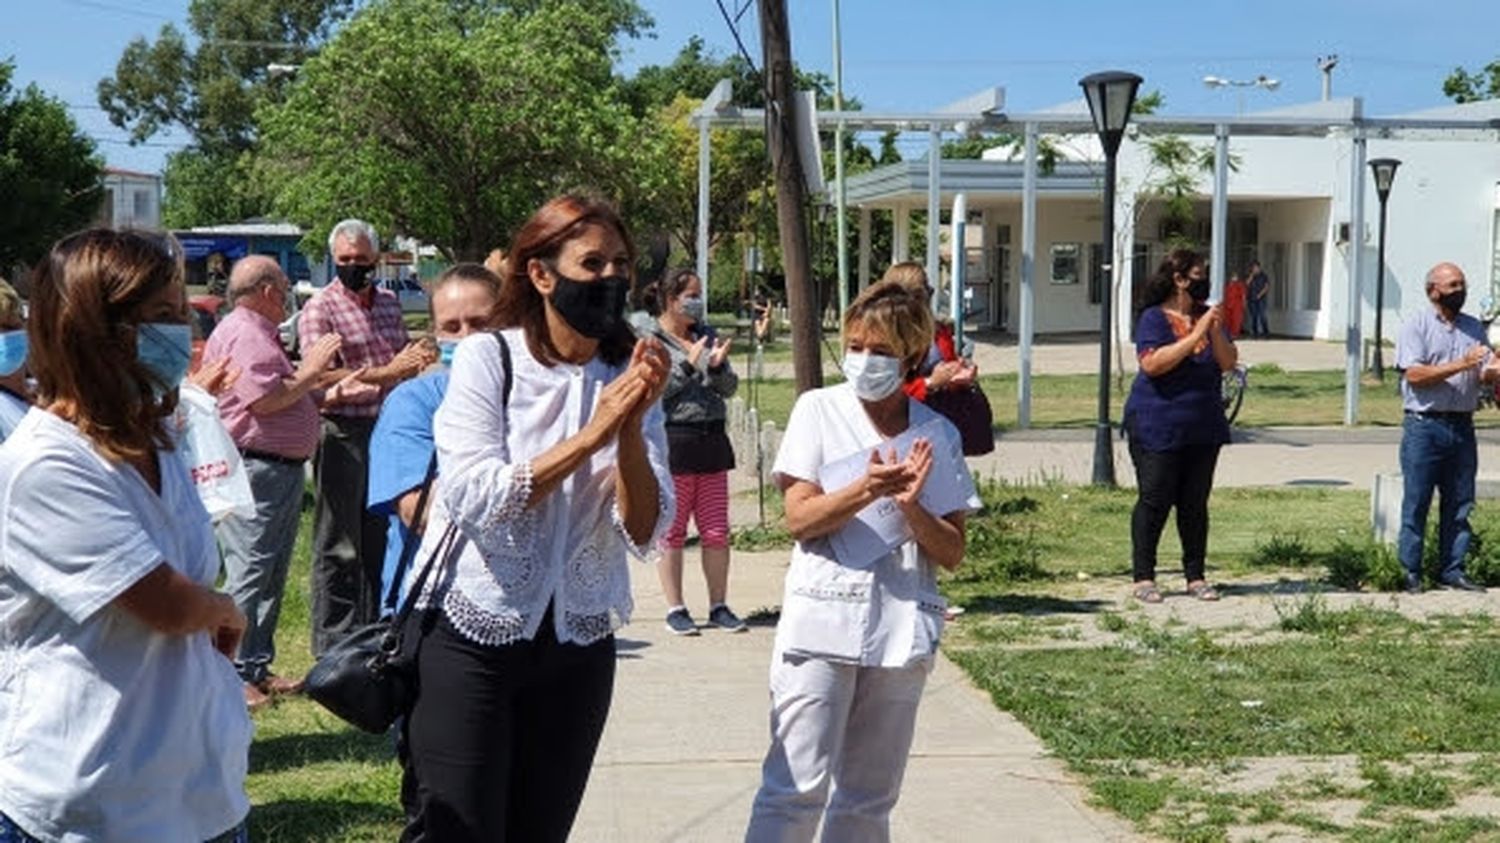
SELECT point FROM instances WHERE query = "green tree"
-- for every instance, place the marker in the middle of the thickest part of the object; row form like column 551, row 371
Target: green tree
column 1463, row 86
column 212, row 89
column 452, row 122
column 49, row 172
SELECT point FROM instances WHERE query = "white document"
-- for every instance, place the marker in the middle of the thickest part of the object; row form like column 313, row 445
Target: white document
column 880, row 527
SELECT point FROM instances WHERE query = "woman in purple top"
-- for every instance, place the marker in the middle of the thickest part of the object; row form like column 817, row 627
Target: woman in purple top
column 1175, row 418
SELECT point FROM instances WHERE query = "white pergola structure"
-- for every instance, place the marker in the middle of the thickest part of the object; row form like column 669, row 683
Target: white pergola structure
column 1343, row 120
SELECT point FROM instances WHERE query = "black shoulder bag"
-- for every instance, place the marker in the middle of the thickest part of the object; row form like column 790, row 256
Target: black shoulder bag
column 369, row 678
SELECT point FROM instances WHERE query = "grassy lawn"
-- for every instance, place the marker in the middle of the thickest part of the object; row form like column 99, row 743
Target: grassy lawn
column 312, row 778
column 1274, row 398
column 1167, row 722
column 1172, row 722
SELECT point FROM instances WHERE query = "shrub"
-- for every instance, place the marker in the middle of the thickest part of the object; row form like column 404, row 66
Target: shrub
column 1386, row 573
column 1282, row 551
column 1348, row 564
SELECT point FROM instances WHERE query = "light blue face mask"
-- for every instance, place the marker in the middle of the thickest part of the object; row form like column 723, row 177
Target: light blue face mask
column 166, row 349
column 446, row 348
column 692, row 308
column 12, row 352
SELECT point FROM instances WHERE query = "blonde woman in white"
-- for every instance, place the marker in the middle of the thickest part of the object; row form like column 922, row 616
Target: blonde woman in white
column 858, row 633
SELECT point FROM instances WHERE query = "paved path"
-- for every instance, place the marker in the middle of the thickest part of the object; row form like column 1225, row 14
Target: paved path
column 680, row 758
column 681, row 754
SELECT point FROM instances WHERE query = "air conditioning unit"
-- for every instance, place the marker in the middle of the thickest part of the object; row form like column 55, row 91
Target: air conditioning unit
column 1342, row 231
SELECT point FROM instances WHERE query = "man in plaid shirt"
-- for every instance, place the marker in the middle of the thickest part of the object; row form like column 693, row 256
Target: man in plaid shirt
column 348, row 543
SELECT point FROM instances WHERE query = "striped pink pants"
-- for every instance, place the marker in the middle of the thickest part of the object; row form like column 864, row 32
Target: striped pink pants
column 705, row 497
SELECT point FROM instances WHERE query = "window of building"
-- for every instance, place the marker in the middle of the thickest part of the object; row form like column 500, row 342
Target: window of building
column 141, row 204
column 1275, row 265
column 1065, row 258
column 1312, row 275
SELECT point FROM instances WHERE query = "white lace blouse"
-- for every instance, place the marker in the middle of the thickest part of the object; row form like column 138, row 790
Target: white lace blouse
column 569, row 549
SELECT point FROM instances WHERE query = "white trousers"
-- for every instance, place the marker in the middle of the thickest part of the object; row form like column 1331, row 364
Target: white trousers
column 841, row 727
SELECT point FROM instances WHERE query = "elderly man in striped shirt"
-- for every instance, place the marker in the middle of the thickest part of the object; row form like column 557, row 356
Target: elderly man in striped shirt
column 348, row 542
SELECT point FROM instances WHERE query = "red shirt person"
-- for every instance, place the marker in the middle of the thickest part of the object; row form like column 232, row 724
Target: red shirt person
column 1234, row 305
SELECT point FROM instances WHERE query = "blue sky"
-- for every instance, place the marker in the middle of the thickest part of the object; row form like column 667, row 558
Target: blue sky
column 905, row 55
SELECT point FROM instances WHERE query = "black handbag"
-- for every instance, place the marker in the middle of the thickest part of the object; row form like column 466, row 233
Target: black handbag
column 369, row 678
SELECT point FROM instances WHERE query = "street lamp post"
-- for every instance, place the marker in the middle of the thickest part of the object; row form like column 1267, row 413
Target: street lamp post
column 1261, row 81
column 1111, row 95
column 1385, row 174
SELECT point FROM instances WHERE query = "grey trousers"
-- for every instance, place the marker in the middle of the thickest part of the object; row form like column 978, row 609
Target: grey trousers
column 257, row 553
column 841, row 728
column 348, row 543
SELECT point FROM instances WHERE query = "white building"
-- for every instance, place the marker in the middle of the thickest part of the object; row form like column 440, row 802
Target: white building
column 1289, row 204
column 131, row 199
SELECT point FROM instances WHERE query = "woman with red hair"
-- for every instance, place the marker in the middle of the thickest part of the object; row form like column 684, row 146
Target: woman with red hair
column 552, row 463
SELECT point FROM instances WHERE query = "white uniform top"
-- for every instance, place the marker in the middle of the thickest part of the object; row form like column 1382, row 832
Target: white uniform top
column 108, row 729
column 568, row 551
column 889, row 615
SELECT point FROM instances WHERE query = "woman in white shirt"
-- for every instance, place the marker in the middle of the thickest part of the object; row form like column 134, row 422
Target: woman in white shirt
column 122, row 713
column 860, row 622
column 551, row 471
column 15, row 398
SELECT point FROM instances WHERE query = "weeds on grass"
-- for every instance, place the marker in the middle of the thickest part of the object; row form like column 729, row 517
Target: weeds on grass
column 758, row 537
column 1421, row 788
column 1313, row 616
column 1283, row 551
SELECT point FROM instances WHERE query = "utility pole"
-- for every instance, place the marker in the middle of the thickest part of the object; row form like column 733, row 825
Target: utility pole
column 791, row 195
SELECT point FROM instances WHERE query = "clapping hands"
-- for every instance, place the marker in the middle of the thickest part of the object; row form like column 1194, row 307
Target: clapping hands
column 625, row 400
column 901, row 480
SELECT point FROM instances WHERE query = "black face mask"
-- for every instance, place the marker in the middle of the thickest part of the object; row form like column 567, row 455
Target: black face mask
column 1453, row 301
column 1199, row 288
column 595, row 309
column 355, row 276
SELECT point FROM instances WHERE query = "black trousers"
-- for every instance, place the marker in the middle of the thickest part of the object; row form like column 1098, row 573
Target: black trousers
column 348, row 542
column 1165, row 479
column 501, row 740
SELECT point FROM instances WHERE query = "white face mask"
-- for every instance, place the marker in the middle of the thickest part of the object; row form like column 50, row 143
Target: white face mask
column 875, row 376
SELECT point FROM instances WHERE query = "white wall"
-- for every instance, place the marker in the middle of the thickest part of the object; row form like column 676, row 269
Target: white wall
column 125, row 211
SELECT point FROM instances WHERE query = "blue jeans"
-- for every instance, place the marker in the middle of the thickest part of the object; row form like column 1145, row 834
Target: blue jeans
column 1437, row 452
column 1259, row 327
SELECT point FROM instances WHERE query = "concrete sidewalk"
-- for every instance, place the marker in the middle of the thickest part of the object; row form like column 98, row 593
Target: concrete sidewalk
column 680, row 758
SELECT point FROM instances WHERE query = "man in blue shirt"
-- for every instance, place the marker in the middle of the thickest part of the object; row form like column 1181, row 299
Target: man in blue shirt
column 462, row 302
column 1258, row 295
column 1444, row 358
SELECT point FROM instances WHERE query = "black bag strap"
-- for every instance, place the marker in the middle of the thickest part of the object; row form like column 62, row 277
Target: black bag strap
column 414, row 537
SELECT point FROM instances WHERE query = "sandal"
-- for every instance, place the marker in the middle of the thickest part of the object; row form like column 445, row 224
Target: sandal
column 1146, row 592
column 1203, row 591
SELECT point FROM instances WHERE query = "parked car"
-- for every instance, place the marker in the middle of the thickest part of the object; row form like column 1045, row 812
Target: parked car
column 410, row 291
column 206, row 312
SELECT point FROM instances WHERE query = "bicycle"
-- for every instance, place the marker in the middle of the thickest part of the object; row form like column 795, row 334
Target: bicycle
column 1235, row 382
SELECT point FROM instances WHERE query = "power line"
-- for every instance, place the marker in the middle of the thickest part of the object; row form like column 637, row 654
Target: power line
column 124, row 10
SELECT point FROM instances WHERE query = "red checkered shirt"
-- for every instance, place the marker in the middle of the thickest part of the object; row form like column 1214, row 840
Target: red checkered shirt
column 372, row 336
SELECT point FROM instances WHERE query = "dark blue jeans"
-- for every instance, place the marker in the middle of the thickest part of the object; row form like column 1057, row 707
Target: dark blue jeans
column 1259, row 327
column 1437, row 452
